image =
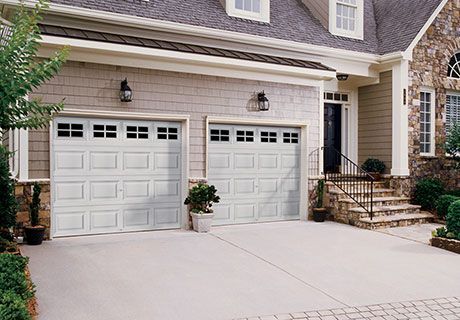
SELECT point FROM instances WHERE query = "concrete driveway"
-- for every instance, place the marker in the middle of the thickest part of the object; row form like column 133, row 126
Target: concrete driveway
column 237, row 271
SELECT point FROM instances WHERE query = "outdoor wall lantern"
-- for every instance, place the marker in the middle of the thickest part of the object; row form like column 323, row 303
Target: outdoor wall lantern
column 264, row 104
column 126, row 94
column 342, row 77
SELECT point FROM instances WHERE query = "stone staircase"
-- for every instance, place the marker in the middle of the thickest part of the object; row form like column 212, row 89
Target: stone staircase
column 390, row 210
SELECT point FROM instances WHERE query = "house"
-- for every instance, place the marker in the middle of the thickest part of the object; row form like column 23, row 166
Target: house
column 243, row 94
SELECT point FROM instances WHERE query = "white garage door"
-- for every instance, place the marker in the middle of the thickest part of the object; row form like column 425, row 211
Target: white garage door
column 115, row 176
column 256, row 171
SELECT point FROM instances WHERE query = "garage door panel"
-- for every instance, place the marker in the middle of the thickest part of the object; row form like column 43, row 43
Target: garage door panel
column 258, row 179
column 107, row 178
column 105, row 219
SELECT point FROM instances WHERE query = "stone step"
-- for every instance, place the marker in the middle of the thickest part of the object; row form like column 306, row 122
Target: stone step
column 348, row 203
column 377, row 184
column 382, row 211
column 380, row 192
column 397, row 220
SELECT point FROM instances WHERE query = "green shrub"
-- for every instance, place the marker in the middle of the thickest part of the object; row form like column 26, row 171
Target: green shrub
column 13, row 307
column 320, row 193
column 201, row 198
column 13, row 278
column 427, row 192
column 440, row 232
column 444, row 203
column 374, row 165
column 8, row 203
column 455, row 192
column 34, row 207
column 453, row 218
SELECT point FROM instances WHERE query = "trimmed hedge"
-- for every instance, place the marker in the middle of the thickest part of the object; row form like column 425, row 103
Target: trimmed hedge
column 15, row 290
column 453, row 219
column 427, row 192
column 444, row 203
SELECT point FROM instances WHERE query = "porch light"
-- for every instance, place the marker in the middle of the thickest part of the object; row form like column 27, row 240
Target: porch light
column 126, row 94
column 342, row 77
column 264, row 104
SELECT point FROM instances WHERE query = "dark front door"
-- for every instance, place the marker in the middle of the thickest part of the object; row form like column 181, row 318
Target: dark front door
column 332, row 137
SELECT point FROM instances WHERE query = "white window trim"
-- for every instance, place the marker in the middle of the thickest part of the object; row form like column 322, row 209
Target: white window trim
column 263, row 16
column 358, row 33
column 432, row 93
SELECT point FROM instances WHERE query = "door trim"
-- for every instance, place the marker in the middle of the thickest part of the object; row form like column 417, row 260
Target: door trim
column 304, row 135
column 185, row 148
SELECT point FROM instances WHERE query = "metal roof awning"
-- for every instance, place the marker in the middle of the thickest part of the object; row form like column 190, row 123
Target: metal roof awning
column 205, row 56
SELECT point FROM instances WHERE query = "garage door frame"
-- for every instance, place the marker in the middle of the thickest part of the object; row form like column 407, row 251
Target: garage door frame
column 304, row 131
column 184, row 121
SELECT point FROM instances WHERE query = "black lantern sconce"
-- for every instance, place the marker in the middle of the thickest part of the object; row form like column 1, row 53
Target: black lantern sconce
column 264, row 104
column 342, row 77
column 126, row 94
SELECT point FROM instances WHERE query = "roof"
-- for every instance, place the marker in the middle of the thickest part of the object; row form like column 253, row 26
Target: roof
column 386, row 27
column 176, row 46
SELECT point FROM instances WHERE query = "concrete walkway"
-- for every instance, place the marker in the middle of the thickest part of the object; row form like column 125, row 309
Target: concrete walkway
column 418, row 232
column 235, row 272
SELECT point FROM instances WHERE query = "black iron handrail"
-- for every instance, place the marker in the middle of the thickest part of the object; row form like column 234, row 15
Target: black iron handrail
column 349, row 177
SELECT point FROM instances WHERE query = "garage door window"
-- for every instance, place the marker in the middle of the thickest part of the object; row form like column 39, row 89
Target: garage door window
column 105, row 131
column 70, row 130
column 220, row 135
column 290, row 137
column 244, row 136
column 167, row 133
column 137, row 132
column 268, row 136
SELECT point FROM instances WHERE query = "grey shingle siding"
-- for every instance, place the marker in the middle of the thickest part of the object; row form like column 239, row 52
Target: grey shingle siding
column 386, row 25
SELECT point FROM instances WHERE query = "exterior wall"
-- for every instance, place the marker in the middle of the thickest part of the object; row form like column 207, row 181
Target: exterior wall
column 96, row 87
column 320, row 9
column 375, row 121
column 429, row 69
column 23, row 192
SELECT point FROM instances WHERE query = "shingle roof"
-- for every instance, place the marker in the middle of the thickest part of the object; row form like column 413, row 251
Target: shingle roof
column 176, row 46
column 389, row 25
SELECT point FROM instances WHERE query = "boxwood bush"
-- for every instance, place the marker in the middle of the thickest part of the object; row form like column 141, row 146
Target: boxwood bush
column 15, row 289
column 427, row 192
column 453, row 219
column 443, row 204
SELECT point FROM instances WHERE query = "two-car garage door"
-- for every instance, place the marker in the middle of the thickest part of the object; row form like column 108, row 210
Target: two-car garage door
column 256, row 171
column 115, row 176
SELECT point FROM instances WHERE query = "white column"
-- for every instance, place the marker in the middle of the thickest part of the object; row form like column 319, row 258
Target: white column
column 23, row 154
column 400, row 139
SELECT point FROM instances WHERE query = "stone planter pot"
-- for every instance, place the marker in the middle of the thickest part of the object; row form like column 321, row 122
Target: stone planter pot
column 319, row 214
column 446, row 244
column 34, row 235
column 202, row 222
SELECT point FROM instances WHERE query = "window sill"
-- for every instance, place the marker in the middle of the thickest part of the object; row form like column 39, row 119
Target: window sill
column 428, row 156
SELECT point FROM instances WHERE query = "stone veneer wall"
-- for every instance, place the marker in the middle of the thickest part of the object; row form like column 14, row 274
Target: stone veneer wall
column 429, row 68
column 23, row 192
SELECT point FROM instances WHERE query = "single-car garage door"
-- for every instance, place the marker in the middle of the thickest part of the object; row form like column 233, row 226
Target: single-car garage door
column 256, row 171
column 115, row 176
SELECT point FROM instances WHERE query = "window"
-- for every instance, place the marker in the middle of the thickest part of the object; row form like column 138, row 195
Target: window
column 452, row 110
column 290, row 137
column 346, row 18
column 104, row 131
column 244, row 136
column 258, row 10
column 220, row 135
column 137, row 132
column 336, row 96
column 427, row 122
column 167, row 133
column 454, row 66
column 70, row 130
column 268, row 136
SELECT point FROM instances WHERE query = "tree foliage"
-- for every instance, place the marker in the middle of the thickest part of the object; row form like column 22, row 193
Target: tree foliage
column 8, row 203
column 21, row 71
column 453, row 141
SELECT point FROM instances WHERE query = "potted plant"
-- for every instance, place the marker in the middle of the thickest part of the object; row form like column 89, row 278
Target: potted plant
column 319, row 212
column 35, row 232
column 200, row 199
column 374, row 167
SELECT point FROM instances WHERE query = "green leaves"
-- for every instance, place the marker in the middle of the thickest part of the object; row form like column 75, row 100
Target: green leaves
column 201, row 198
column 453, row 141
column 8, row 202
column 22, row 72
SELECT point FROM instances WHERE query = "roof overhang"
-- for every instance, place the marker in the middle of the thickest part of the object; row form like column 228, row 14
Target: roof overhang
column 177, row 61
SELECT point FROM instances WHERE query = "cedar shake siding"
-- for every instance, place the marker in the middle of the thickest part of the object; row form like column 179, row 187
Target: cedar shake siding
column 90, row 86
column 375, row 121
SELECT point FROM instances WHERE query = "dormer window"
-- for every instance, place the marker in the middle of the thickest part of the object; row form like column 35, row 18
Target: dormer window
column 258, row 10
column 346, row 18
